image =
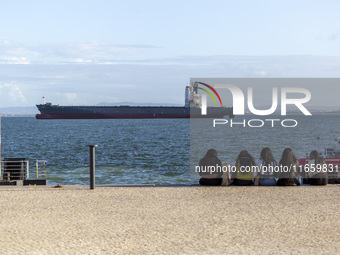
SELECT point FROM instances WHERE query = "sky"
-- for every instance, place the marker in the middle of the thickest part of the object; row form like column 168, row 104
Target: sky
column 89, row 52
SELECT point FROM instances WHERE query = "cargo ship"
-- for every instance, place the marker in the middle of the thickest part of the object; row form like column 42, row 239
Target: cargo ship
column 192, row 108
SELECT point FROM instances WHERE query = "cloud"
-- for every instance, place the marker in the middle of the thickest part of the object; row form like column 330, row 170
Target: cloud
column 330, row 37
column 54, row 53
column 159, row 80
column 71, row 97
column 80, row 60
column 13, row 92
column 334, row 36
column 15, row 60
column 260, row 73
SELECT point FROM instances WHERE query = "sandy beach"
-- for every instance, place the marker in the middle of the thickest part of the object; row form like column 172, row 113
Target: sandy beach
column 170, row 220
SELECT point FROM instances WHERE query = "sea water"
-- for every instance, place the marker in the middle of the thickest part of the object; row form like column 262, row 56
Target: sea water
column 146, row 151
column 154, row 151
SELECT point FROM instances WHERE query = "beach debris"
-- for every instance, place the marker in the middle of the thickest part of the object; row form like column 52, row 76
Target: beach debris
column 58, row 186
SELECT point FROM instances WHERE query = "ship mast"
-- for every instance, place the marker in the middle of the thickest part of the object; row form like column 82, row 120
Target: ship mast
column 44, row 99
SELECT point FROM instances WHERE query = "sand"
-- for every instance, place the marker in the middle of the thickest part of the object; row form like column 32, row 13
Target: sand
column 170, row 220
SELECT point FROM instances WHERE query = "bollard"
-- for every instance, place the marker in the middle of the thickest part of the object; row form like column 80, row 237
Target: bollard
column 92, row 166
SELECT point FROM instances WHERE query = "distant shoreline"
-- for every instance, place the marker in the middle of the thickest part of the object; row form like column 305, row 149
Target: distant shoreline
column 17, row 115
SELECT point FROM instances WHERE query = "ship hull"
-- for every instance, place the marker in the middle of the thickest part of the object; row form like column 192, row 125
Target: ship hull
column 127, row 112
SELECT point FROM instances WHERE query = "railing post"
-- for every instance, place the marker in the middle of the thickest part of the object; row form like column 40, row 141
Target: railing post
column 28, row 170
column 92, row 166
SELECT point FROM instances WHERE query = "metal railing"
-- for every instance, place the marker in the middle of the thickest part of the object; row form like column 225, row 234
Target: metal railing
column 40, row 169
column 19, row 169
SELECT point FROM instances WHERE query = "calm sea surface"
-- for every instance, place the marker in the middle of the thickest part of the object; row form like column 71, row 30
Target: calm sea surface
column 129, row 151
column 152, row 151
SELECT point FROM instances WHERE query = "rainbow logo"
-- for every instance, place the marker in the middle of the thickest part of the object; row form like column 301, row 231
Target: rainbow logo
column 209, row 93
